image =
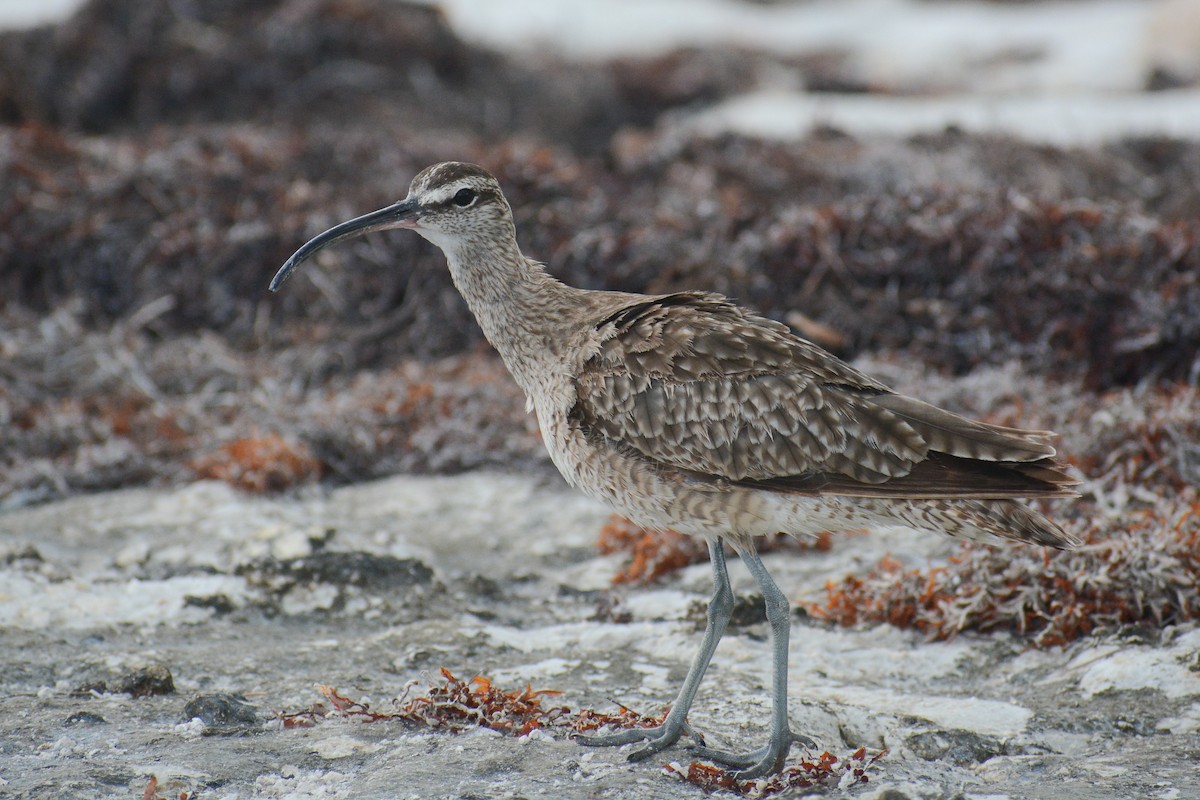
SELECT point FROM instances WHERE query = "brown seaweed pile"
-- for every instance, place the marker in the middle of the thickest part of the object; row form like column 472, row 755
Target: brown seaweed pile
column 161, row 160
column 458, row 706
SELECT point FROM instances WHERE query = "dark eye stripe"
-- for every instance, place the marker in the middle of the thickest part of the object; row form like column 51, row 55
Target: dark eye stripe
column 482, row 196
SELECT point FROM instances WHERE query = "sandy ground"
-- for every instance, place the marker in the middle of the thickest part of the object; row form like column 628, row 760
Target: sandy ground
column 203, row 581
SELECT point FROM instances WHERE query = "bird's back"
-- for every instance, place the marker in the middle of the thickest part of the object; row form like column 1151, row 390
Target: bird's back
column 694, row 381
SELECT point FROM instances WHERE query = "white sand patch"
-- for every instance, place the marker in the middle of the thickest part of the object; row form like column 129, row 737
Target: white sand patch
column 491, row 512
column 513, row 678
column 28, row 13
column 335, row 747
column 656, row 604
column 1144, row 667
column 30, row 602
column 207, row 523
column 293, row 782
column 591, row 637
column 1187, row 722
column 1066, row 120
column 880, row 655
column 986, row 717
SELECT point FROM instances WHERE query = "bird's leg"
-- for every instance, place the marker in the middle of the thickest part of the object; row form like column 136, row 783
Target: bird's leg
column 660, row 737
column 768, row 759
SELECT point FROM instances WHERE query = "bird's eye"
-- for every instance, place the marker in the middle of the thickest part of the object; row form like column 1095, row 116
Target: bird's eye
column 464, row 197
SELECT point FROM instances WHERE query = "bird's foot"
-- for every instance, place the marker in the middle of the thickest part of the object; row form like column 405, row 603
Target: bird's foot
column 657, row 738
column 766, row 760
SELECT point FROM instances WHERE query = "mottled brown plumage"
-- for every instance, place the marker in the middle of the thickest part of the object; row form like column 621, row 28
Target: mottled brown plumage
column 685, row 411
column 693, row 381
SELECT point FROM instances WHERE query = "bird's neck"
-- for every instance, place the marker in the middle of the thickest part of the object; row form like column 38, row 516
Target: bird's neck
column 520, row 308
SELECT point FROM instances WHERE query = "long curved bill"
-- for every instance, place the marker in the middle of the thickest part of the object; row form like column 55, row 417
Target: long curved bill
column 397, row 215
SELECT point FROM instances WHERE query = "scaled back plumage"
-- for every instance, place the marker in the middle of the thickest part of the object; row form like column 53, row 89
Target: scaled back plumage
column 693, row 381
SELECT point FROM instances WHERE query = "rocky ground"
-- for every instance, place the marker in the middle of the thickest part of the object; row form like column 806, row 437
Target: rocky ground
column 253, row 603
column 336, row 486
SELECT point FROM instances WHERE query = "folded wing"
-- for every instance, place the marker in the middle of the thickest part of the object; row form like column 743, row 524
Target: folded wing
column 692, row 381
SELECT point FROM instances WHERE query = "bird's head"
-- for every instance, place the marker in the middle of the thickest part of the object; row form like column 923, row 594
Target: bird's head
column 454, row 205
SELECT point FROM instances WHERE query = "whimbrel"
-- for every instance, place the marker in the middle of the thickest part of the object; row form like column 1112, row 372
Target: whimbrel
column 686, row 411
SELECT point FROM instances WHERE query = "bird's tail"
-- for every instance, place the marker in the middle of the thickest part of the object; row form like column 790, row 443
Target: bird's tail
column 987, row 520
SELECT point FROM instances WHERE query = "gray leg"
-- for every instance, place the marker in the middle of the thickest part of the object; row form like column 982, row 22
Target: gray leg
column 768, row 759
column 675, row 725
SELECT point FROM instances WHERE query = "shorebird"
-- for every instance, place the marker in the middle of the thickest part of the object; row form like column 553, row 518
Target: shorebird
column 686, row 411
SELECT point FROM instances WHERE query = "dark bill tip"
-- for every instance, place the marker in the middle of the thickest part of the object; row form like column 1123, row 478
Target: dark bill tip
column 283, row 273
column 393, row 216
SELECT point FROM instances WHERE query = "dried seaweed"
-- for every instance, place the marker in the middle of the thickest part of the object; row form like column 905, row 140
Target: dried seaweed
column 588, row 720
column 259, row 464
column 1145, row 570
column 267, row 122
column 455, row 706
column 137, row 335
column 459, row 705
column 654, row 554
column 956, row 276
column 188, row 407
column 826, row 771
column 153, row 791
column 134, row 322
